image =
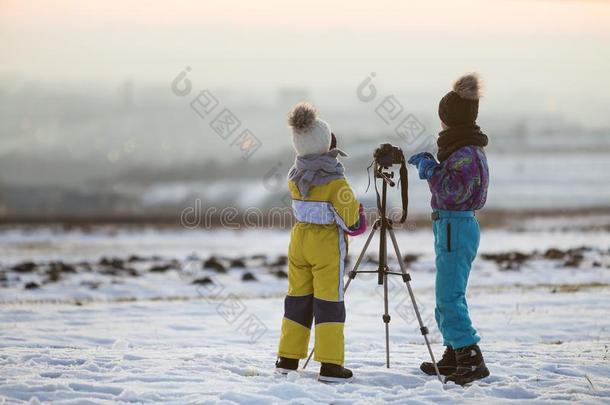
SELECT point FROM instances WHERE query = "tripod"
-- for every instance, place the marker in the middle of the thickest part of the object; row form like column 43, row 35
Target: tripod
column 385, row 226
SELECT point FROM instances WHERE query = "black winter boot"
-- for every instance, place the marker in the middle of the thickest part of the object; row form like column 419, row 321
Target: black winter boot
column 334, row 373
column 446, row 366
column 285, row 365
column 470, row 366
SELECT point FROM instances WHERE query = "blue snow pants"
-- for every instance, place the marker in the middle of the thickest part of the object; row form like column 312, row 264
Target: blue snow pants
column 456, row 241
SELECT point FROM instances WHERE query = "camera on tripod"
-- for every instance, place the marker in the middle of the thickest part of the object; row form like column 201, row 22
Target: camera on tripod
column 387, row 155
column 384, row 157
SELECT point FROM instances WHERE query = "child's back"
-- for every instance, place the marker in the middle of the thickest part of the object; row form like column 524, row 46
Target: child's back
column 460, row 182
column 325, row 208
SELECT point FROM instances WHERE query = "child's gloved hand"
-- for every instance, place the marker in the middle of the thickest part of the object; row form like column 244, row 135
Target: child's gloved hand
column 425, row 164
column 415, row 159
column 361, row 223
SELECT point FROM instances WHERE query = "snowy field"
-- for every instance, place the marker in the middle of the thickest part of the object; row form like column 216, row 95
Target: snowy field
column 138, row 316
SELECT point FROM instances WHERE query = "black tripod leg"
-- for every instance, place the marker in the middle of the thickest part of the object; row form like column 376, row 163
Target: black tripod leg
column 407, row 279
column 352, row 274
column 386, row 319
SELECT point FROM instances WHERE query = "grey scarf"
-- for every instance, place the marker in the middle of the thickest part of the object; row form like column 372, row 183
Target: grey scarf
column 316, row 169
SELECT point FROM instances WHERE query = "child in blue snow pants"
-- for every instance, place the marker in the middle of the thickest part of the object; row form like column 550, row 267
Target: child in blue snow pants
column 458, row 182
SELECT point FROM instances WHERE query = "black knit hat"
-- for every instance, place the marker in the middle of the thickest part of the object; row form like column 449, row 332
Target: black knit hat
column 461, row 105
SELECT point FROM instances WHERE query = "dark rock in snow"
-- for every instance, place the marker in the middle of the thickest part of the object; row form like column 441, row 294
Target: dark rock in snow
column 508, row 261
column 112, row 262
column 573, row 261
column 203, row 281
column 24, row 267
column 53, row 274
column 280, row 274
column 109, row 271
column 517, row 257
column 214, row 264
column 160, row 268
column 554, row 254
column 509, row 266
column 62, row 267
column 572, row 257
column 31, row 286
column 409, row 258
column 131, row 271
column 248, row 277
column 237, row 263
column 281, row 260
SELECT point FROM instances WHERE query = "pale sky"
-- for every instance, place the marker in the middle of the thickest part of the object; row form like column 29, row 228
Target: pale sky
column 556, row 48
column 502, row 16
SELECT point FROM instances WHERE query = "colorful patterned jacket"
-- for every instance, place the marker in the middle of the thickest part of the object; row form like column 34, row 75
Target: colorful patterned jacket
column 460, row 182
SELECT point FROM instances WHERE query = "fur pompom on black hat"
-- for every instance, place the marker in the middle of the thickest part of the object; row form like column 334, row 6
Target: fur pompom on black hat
column 461, row 105
column 468, row 86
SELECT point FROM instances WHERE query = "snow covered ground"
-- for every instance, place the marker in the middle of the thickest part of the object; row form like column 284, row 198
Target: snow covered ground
column 120, row 320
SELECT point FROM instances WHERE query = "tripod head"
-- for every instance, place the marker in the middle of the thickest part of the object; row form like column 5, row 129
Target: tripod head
column 385, row 176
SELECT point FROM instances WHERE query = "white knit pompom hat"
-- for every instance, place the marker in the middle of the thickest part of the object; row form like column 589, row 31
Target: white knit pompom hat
column 310, row 134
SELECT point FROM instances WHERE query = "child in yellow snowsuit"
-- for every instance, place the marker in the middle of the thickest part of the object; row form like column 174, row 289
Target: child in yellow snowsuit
column 326, row 211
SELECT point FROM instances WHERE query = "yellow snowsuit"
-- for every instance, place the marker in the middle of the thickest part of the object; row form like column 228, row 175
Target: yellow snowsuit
column 316, row 260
